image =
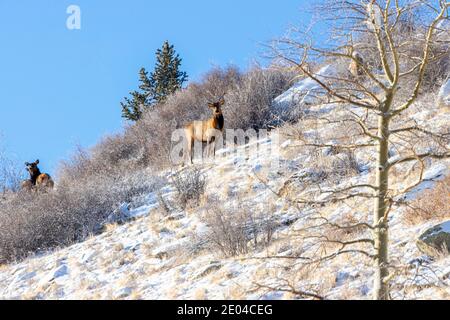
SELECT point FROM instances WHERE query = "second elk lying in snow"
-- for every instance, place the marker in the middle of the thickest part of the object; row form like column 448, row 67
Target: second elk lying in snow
column 37, row 179
column 205, row 131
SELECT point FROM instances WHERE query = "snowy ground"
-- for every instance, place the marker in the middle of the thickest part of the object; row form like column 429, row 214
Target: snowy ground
column 151, row 256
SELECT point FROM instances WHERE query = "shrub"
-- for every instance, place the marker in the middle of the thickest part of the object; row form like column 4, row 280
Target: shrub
column 32, row 222
column 432, row 204
column 10, row 174
column 333, row 166
column 236, row 230
column 190, row 185
column 249, row 105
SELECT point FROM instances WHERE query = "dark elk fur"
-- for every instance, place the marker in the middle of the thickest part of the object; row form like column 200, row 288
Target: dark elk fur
column 37, row 179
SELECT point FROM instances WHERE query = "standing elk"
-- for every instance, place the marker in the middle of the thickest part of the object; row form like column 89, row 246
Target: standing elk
column 37, row 179
column 205, row 131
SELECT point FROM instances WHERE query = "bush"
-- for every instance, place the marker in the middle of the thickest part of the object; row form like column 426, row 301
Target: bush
column 249, row 105
column 190, row 185
column 432, row 204
column 236, row 230
column 10, row 175
column 32, row 222
column 333, row 166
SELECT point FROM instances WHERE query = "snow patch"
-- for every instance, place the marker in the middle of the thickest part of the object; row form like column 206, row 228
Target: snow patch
column 306, row 90
column 444, row 94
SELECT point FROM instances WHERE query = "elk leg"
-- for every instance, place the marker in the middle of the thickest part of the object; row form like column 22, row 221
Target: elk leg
column 212, row 147
column 191, row 151
column 208, row 148
column 187, row 153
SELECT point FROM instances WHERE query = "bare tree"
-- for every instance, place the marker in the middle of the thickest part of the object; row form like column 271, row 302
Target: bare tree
column 391, row 66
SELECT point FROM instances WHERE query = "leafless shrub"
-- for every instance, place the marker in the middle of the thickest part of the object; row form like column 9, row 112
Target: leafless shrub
column 332, row 165
column 190, row 185
column 32, row 222
column 217, row 82
column 345, row 227
column 10, row 174
column 433, row 204
column 250, row 103
column 237, row 230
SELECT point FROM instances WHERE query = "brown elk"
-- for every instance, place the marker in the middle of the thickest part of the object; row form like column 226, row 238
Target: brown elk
column 355, row 66
column 205, row 131
column 37, row 179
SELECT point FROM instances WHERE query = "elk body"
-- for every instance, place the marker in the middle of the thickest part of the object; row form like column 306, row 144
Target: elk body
column 205, row 131
column 355, row 66
column 37, row 179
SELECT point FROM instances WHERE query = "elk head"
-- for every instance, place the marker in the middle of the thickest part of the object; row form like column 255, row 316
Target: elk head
column 217, row 106
column 32, row 168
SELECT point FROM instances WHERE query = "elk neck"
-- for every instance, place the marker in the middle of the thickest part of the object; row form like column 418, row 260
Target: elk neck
column 34, row 176
column 218, row 121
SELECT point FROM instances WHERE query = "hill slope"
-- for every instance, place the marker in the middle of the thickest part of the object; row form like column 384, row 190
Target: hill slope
column 157, row 255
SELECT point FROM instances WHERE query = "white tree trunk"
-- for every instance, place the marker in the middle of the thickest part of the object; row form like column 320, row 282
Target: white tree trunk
column 381, row 235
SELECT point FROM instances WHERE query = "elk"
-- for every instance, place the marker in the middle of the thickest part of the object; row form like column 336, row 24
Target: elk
column 37, row 179
column 355, row 66
column 205, row 131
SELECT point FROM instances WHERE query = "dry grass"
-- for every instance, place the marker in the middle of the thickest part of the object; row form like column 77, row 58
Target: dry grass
column 432, row 205
column 201, row 294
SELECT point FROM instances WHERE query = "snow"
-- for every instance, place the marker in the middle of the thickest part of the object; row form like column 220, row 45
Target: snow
column 442, row 228
column 306, row 90
column 443, row 28
column 436, row 173
column 444, row 93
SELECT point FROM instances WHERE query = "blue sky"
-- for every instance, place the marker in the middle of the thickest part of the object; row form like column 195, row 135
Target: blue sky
column 62, row 87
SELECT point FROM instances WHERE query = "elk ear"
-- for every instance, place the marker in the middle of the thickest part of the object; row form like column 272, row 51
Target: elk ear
column 210, row 105
column 222, row 101
column 37, row 161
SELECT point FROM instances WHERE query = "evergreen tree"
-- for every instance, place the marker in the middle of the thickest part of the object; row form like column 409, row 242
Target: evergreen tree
column 133, row 108
column 156, row 87
column 167, row 76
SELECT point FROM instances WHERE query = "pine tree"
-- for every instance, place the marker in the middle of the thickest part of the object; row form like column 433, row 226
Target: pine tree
column 133, row 108
column 167, row 75
column 156, row 87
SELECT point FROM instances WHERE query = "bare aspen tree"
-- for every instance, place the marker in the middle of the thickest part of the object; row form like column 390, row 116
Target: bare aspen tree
column 390, row 46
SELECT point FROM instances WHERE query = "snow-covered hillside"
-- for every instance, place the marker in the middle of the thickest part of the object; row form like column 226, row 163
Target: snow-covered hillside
column 306, row 90
column 155, row 255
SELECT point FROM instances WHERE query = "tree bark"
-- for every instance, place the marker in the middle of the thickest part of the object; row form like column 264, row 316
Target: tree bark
column 381, row 234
